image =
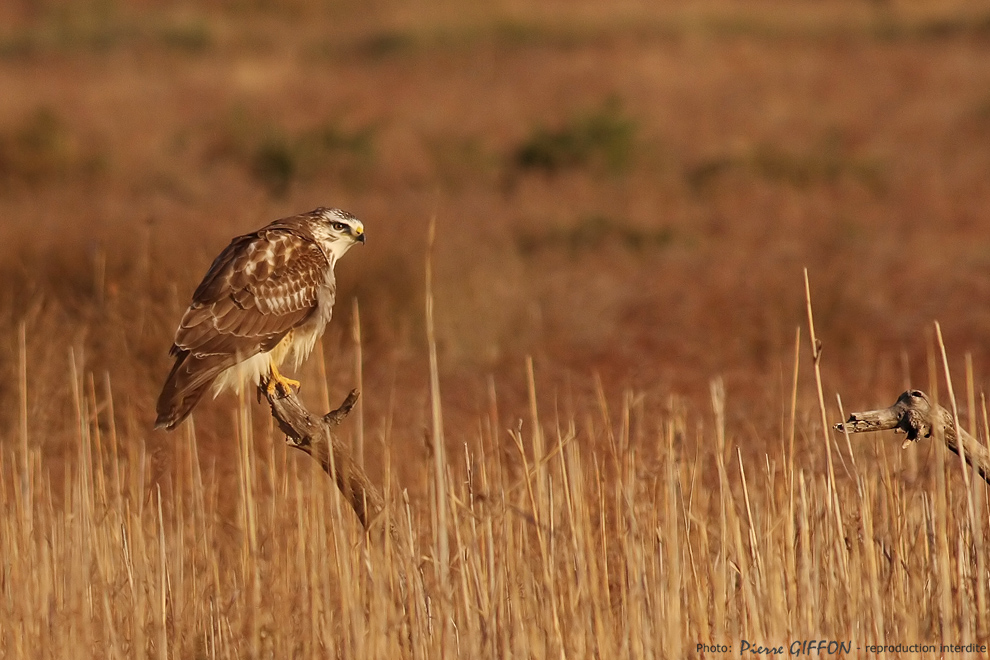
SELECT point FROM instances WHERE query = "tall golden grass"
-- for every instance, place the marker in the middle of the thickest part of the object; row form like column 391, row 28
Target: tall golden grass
column 655, row 539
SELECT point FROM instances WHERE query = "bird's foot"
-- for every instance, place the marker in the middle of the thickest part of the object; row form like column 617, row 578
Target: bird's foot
column 279, row 384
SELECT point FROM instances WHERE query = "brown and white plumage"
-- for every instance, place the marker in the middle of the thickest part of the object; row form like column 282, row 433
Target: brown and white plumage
column 268, row 296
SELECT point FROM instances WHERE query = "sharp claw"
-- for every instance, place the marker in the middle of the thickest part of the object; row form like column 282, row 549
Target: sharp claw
column 271, row 386
column 286, row 385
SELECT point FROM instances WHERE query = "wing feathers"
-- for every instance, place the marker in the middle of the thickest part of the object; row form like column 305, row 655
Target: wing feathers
column 255, row 289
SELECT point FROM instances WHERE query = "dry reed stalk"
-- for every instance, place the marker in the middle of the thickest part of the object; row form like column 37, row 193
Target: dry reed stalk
column 441, row 550
column 983, row 615
column 833, row 501
column 359, row 380
column 816, row 356
column 955, row 422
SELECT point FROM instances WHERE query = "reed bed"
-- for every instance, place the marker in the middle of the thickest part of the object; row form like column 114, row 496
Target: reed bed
column 654, row 539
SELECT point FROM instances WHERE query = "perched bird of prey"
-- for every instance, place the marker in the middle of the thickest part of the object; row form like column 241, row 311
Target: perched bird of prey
column 268, row 296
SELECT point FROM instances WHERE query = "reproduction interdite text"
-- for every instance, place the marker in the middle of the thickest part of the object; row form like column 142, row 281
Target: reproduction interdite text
column 827, row 647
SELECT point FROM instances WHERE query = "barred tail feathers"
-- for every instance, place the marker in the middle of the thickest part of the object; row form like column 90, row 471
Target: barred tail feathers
column 190, row 377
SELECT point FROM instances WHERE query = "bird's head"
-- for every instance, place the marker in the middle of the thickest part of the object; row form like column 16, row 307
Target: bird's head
column 337, row 230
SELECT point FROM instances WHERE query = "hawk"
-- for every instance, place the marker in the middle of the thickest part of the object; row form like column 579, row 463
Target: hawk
column 268, row 296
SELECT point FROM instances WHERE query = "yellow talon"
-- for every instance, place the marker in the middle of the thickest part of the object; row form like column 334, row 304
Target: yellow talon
column 280, row 382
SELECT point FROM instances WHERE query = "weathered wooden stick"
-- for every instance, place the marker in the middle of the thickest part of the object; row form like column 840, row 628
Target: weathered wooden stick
column 315, row 436
column 914, row 415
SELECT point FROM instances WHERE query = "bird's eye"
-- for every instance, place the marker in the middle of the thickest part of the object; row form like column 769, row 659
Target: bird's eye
column 339, row 226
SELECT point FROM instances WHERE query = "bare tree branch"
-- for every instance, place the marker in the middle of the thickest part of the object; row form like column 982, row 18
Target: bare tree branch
column 914, row 415
column 315, row 436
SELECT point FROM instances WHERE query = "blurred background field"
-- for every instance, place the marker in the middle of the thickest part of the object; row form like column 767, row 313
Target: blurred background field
column 625, row 192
